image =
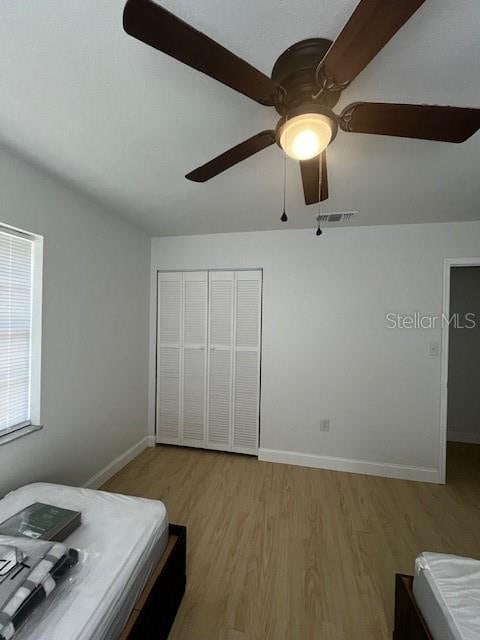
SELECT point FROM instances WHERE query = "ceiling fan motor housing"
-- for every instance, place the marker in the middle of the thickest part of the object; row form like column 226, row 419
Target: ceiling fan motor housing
column 295, row 70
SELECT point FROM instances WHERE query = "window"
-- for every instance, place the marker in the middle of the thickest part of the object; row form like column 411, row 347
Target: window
column 20, row 255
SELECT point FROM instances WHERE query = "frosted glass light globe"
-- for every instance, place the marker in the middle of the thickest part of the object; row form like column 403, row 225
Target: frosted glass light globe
column 306, row 136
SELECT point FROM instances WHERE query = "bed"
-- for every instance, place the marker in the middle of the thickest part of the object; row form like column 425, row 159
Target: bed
column 442, row 600
column 132, row 575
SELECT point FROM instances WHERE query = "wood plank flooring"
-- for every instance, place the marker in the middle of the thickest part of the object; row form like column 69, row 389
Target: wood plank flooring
column 277, row 552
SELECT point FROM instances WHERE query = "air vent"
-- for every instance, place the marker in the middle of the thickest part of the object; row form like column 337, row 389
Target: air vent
column 342, row 216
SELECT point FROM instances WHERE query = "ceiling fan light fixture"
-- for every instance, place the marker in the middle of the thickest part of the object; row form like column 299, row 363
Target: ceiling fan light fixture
column 306, row 135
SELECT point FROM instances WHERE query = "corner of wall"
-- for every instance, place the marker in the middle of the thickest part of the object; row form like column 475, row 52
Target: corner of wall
column 102, row 476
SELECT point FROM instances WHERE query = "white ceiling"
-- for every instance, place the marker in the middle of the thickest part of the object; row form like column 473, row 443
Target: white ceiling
column 125, row 122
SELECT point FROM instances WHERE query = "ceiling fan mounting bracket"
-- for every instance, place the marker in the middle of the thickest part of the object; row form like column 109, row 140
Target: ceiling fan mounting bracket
column 296, row 71
column 346, row 117
column 328, row 84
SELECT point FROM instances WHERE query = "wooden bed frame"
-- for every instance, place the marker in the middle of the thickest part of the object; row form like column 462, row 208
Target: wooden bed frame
column 155, row 610
column 409, row 622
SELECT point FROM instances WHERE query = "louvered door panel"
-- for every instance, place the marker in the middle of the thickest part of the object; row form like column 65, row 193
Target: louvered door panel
column 245, row 427
column 246, row 391
column 220, row 354
column 169, row 356
column 248, row 309
column 219, row 398
column 195, row 308
column 195, row 292
column 168, row 400
column 170, row 307
column 221, row 310
column 194, row 395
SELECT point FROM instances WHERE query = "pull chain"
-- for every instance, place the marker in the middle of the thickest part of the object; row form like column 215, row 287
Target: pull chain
column 319, row 231
column 284, row 217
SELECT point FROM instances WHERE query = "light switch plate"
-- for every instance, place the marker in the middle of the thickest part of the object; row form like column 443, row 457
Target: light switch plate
column 434, row 349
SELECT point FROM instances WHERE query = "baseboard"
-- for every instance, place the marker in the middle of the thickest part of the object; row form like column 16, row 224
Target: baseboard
column 331, row 463
column 152, row 441
column 114, row 467
column 463, row 436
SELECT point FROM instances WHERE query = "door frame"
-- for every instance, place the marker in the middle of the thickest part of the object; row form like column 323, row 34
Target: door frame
column 448, row 263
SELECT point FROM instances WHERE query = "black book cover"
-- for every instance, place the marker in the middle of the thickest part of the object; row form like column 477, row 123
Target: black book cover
column 42, row 521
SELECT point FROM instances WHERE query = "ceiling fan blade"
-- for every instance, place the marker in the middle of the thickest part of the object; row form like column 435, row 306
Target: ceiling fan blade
column 149, row 22
column 232, row 156
column 310, row 170
column 447, row 124
column 371, row 26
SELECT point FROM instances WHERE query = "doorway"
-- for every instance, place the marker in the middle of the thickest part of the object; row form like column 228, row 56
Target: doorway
column 461, row 367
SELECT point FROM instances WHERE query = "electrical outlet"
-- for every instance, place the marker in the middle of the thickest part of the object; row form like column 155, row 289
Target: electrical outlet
column 325, row 425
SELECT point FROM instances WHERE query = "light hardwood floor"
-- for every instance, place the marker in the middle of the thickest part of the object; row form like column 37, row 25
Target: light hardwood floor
column 277, row 552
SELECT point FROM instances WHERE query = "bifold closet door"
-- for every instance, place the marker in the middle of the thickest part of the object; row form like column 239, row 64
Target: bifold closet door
column 234, row 360
column 169, row 352
column 194, row 365
column 246, row 357
column 208, row 359
column 220, row 359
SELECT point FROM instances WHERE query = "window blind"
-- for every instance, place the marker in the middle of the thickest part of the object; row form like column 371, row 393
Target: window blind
column 16, row 261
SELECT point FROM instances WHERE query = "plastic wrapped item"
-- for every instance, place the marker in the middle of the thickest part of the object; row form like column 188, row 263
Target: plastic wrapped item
column 10, row 557
column 447, row 592
column 29, row 573
column 42, row 522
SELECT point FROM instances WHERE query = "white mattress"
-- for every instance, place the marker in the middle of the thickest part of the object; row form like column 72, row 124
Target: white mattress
column 447, row 591
column 124, row 537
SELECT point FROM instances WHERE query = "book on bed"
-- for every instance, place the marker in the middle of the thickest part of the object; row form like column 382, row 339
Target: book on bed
column 42, row 521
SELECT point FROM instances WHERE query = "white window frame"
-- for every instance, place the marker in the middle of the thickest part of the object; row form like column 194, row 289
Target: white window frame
column 35, row 423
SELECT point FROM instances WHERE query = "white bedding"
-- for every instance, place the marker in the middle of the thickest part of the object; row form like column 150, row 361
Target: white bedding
column 447, row 591
column 124, row 537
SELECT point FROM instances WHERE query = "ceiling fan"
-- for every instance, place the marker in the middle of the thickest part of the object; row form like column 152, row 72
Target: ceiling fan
column 305, row 85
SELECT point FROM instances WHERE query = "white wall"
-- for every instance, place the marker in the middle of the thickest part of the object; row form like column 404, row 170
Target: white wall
column 326, row 350
column 95, row 327
column 463, row 417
